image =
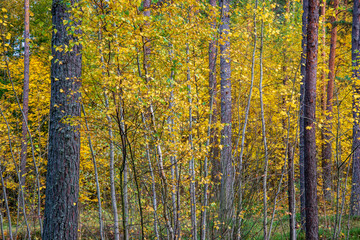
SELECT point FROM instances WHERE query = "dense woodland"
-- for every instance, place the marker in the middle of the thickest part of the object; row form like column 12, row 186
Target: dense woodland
column 194, row 119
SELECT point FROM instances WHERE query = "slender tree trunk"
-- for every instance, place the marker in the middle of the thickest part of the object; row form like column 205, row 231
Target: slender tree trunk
column 101, row 224
column 355, row 191
column 310, row 160
column 6, row 204
column 124, row 173
column 327, row 150
column 227, row 170
column 291, row 193
column 62, row 180
column 112, row 173
column 111, row 151
column 153, row 186
column 192, row 161
column 2, row 226
column 242, row 146
column 214, row 149
column 301, row 123
column 266, row 162
column 212, row 132
column 25, row 107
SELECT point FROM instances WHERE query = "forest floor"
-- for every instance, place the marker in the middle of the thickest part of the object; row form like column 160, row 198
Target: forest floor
column 89, row 229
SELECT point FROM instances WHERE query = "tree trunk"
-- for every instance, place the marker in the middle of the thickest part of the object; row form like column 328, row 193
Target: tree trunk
column 98, row 193
column 62, row 180
column 355, row 191
column 301, row 130
column 263, row 125
column 25, row 107
column 214, row 149
column 192, row 160
column 310, row 161
column 227, row 171
column 291, row 193
column 327, row 149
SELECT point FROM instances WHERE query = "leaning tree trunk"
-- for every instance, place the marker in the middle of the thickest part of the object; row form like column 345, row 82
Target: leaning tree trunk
column 355, row 191
column 227, row 171
column 62, row 180
column 310, row 162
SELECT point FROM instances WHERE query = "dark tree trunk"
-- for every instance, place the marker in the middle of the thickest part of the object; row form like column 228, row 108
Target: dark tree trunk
column 302, row 90
column 355, row 191
column 62, row 180
column 327, row 149
column 25, row 106
column 310, row 162
column 227, row 177
column 214, row 150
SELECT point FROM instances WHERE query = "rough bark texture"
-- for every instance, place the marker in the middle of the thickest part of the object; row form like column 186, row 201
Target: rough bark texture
column 301, row 131
column 227, row 177
column 310, row 161
column 25, row 106
column 62, row 180
column 355, row 191
column 327, row 149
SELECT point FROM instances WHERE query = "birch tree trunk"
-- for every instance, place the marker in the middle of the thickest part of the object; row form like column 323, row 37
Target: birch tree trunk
column 98, row 193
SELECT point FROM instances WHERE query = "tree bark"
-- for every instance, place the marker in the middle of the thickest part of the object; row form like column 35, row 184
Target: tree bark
column 301, row 130
column 62, row 180
column 25, row 107
column 227, row 171
column 310, row 160
column 355, row 190
column 327, row 149
column 214, row 149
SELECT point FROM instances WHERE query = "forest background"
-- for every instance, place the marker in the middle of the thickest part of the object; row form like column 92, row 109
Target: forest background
column 174, row 144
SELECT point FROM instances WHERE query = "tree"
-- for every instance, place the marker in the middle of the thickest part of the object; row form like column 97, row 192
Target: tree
column 62, row 180
column 302, row 93
column 355, row 190
column 25, row 107
column 327, row 149
column 227, row 172
column 310, row 162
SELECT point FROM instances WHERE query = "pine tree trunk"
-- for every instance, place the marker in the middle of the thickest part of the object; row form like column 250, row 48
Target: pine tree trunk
column 355, row 191
column 62, row 180
column 310, row 161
